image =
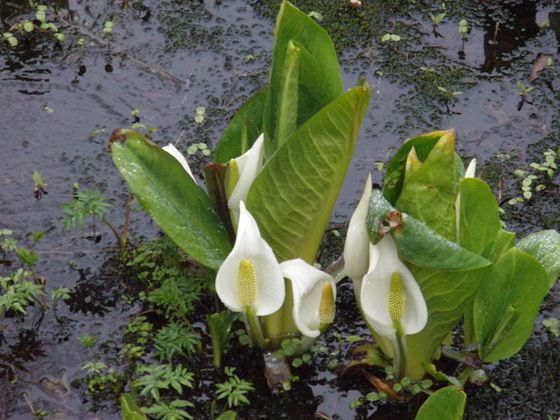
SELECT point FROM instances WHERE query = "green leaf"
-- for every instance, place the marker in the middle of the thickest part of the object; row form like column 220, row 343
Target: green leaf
column 293, row 196
column 228, row 415
column 429, row 193
column 507, row 304
column 219, row 325
column 215, row 175
column 447, row 295
column 479, row 220
column 545, row 247
column 445, row 404
column 416, row 242
column 130, row 409
column 318, row 76
column 243, row 129
column 394, row 177
column 171, row 197
column 503, row 242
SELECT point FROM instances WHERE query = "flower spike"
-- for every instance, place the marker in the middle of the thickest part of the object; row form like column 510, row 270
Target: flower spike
column 314, row 295
column 250, row 276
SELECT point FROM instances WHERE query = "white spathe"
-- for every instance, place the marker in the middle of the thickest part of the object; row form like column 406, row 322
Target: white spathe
column 376, row 289
column 471, row 169
column 307, row 288
column 356, row 246
column 172, row 150
column 249, row 164
column 268, row 282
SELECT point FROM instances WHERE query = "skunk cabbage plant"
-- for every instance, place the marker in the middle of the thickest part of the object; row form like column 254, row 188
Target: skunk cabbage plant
column 438, row 228
column 278, row 170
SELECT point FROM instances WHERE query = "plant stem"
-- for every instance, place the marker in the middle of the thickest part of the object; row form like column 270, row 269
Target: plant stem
column 465, row 375
column 126, row 223
column 254, row 328
column 468, row 359
column 468, row 326
column 399, row 355
column 121, row 241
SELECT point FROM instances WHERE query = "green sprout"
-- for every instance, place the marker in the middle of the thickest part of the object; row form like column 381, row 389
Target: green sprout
column 108, row 28
column 463, row 29
column 552, row 325
column 41, row 13
column 200, row 114
column 387, row 38
column 10, row 38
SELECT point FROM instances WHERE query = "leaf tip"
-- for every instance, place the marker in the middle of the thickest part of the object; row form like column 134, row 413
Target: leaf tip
column 119, row 135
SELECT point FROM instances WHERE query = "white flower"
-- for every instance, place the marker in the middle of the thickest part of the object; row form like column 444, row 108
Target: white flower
column 250, row 276
column 314, row 294
column 172, row 150
column 471, row 169
column 390, row 297
column 247, row 167
column 356, row 246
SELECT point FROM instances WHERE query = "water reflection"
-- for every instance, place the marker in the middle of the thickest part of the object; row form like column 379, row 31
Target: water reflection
column 502, row 38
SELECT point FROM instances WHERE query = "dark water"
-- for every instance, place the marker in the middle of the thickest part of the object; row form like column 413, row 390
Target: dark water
column 169, row 57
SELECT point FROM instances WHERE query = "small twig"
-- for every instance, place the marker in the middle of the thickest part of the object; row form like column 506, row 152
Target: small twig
column 153, row 69
column 126, row 224
column 25, row 396
column 91, row 251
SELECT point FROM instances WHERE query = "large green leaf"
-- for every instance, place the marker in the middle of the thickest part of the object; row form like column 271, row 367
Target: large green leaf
column 243, row 129
column 479, row 220
column 445, row 404
column 293, row 196
column 447, row 296
column 416, row 242
column 423, row 144
column 171, row 197
column 429, row 193
column 318, row 76
column 545, row 247
column 507, row 305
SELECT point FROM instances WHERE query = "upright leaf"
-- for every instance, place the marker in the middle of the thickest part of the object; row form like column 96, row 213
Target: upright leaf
column 423, row 144
column 445, row 404
column 503, row 242
column 545, row 247
column 293, row 196
column 479, row 220
column 288, row 95
column 507, row 305
column 318, row 76
column 429, row 193
column 243, row 129
column 171, row 197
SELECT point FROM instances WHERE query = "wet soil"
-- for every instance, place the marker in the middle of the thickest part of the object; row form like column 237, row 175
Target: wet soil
column 169, row 57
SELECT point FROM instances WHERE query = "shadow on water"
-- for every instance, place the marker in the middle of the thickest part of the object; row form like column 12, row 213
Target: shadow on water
column 168, row 57
column 501, row 38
